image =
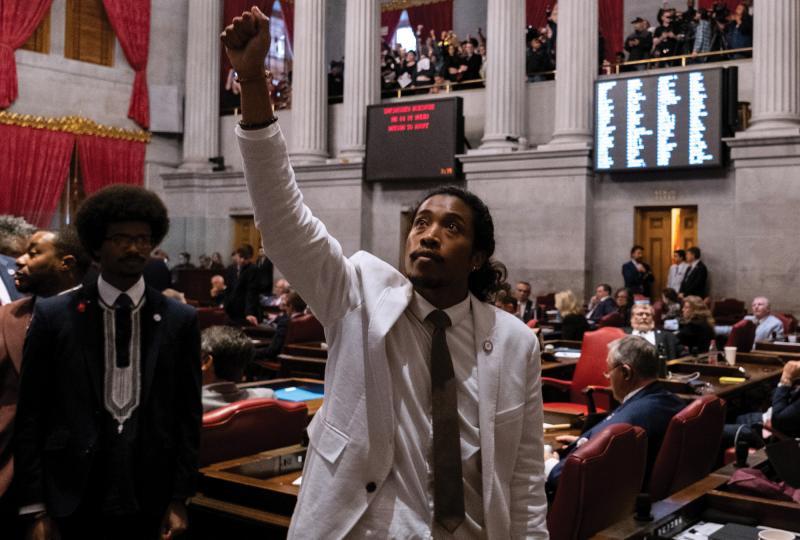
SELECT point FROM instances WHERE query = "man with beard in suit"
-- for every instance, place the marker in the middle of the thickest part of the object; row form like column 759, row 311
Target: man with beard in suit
column 108, row 423
column 53, row 262
column 642, row 324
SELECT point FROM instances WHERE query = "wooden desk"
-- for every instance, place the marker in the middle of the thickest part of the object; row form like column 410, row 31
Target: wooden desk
column 313, row 349
column 293, row 365
column 685, row 508
column 778, row 346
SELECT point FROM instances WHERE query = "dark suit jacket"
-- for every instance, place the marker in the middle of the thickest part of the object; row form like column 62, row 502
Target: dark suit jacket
column 8, row 267
column 14, row 319
column 265, row 271
column 530, row 311
column 636, row 281
column 651, row 409
column 241, row 299
column 607, row 305
column 573, row 327
column 695, row 281
column 62, row 424
column 696, row 336
column 786, row 410
column 667, row 347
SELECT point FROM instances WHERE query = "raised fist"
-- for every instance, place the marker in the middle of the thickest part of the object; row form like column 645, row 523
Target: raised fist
column 246, row 42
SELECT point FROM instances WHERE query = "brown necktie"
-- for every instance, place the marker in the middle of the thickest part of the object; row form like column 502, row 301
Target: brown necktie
column 448, row 488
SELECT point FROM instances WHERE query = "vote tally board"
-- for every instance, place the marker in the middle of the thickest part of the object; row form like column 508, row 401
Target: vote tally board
column 655, row 122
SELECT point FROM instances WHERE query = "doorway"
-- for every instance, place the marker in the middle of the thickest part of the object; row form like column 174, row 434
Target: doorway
column 245, row 232
column 662, row 230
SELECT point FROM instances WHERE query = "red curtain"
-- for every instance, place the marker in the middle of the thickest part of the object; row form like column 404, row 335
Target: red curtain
column 390, row 19
column 130, row 20
column 235, row 8
column 536, row 12
column 437, row 16
column 287, row 7
column 18, row 20
column 105, row 161
column 34, row 172
column 708, row 4
column 610, row 14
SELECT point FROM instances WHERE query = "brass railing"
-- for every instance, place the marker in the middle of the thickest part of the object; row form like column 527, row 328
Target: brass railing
column 683, row 58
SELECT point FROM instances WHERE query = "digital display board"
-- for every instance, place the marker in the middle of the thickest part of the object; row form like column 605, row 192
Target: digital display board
column 415, row 140
column 654, row 122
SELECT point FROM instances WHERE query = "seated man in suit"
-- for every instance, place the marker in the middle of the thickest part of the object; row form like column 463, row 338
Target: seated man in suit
column 53, row 262
column 637, row 274
column 14, row 234
column 633, row 373
column 226, row 351
column 601, row 304
column 108, row 421
column 292, row 306
column 768, row 326
column 218, row 290
column 526, row 308
column 643, row 324
column 783, row 416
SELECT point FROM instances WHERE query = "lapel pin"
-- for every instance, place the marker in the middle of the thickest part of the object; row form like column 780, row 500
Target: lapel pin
column 11, row 271
column 487, row 346
column 157, row 317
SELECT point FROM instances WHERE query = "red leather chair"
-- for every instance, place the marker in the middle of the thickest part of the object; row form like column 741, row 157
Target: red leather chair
column 207, row 317
column 599, row 483
column 742, row 336
column 613, row 319
column 589, row 371
column 690, row 447
column 303, row 329
column 789, row 322
column 250, row 426
column 658, row 314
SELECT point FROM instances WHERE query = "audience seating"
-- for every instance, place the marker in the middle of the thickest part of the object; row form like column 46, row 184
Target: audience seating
column 613, row 319
column 690, row 447
column 742, row 336
column 589, row 372
column 250, row 426
column 728, row 311
column 789, row 322
column 304, row 329
column 599, row 483
column 207, row 317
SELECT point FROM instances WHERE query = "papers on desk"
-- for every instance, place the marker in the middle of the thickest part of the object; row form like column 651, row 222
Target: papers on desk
column 293, row 393
column 700, row 531
column 567, row 354
column 298, row 481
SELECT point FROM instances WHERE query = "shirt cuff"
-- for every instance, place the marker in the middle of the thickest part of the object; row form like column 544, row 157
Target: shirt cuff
column 258, row 134
column 32, row 509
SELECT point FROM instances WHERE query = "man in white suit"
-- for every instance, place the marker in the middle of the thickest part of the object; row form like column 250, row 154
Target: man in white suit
column 432, row 421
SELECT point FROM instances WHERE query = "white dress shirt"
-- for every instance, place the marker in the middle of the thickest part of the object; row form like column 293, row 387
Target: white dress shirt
column 403, row 506
column 676, row 275
column 650, row 336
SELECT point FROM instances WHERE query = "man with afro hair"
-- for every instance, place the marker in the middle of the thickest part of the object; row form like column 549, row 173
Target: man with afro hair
column 109, row 413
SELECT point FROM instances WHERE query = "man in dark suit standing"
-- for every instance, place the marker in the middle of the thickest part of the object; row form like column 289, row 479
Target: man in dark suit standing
column 109, row 413
column 632, row 371
column 642, row 324
column 695, row 281
column 637, row 274
column 53, row 262
column 265, row 272
column 241, row 301
column 526, row 308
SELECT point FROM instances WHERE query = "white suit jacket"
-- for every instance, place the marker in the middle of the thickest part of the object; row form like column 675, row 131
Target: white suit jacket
column 358, row 300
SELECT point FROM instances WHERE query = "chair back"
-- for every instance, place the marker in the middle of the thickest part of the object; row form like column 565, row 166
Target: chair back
column 250, row 426
column 690, row 447
column 303, row 329
column 789, row 322
column 207, row 317
column 591, row 366
column 599, row 483
column 728, row 310
column 613, row 319
column 546, row 301
column 742, row 336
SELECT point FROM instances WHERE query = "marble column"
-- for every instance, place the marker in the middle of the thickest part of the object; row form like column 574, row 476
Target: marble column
column 576, row 67
column 361, row 75
column 505, row 77
column 309, row 138
column 776, row 69
column 201, row 114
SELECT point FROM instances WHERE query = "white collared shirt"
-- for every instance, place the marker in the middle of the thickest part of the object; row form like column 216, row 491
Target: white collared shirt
column 109, row 293
column 403, row 505
column 650, row 336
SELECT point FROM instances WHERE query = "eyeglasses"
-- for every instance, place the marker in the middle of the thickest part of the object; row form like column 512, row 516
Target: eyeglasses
column 126, row 241
column 607, row 373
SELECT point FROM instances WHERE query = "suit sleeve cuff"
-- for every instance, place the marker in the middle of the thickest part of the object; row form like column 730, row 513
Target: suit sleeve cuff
column 31, row 509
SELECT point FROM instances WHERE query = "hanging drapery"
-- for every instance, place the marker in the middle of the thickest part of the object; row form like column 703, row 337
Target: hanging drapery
column 536, row 12
column 436, row 16
column 130, row 20
column 730, row 4
column 235, row 8
column 34, row 172
column 36, row 154
column 103, row 161
column 18, row 21
column 610, row 14
column 389, row 20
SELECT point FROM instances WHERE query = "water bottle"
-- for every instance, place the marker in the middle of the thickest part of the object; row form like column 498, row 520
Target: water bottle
column 712, row 352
